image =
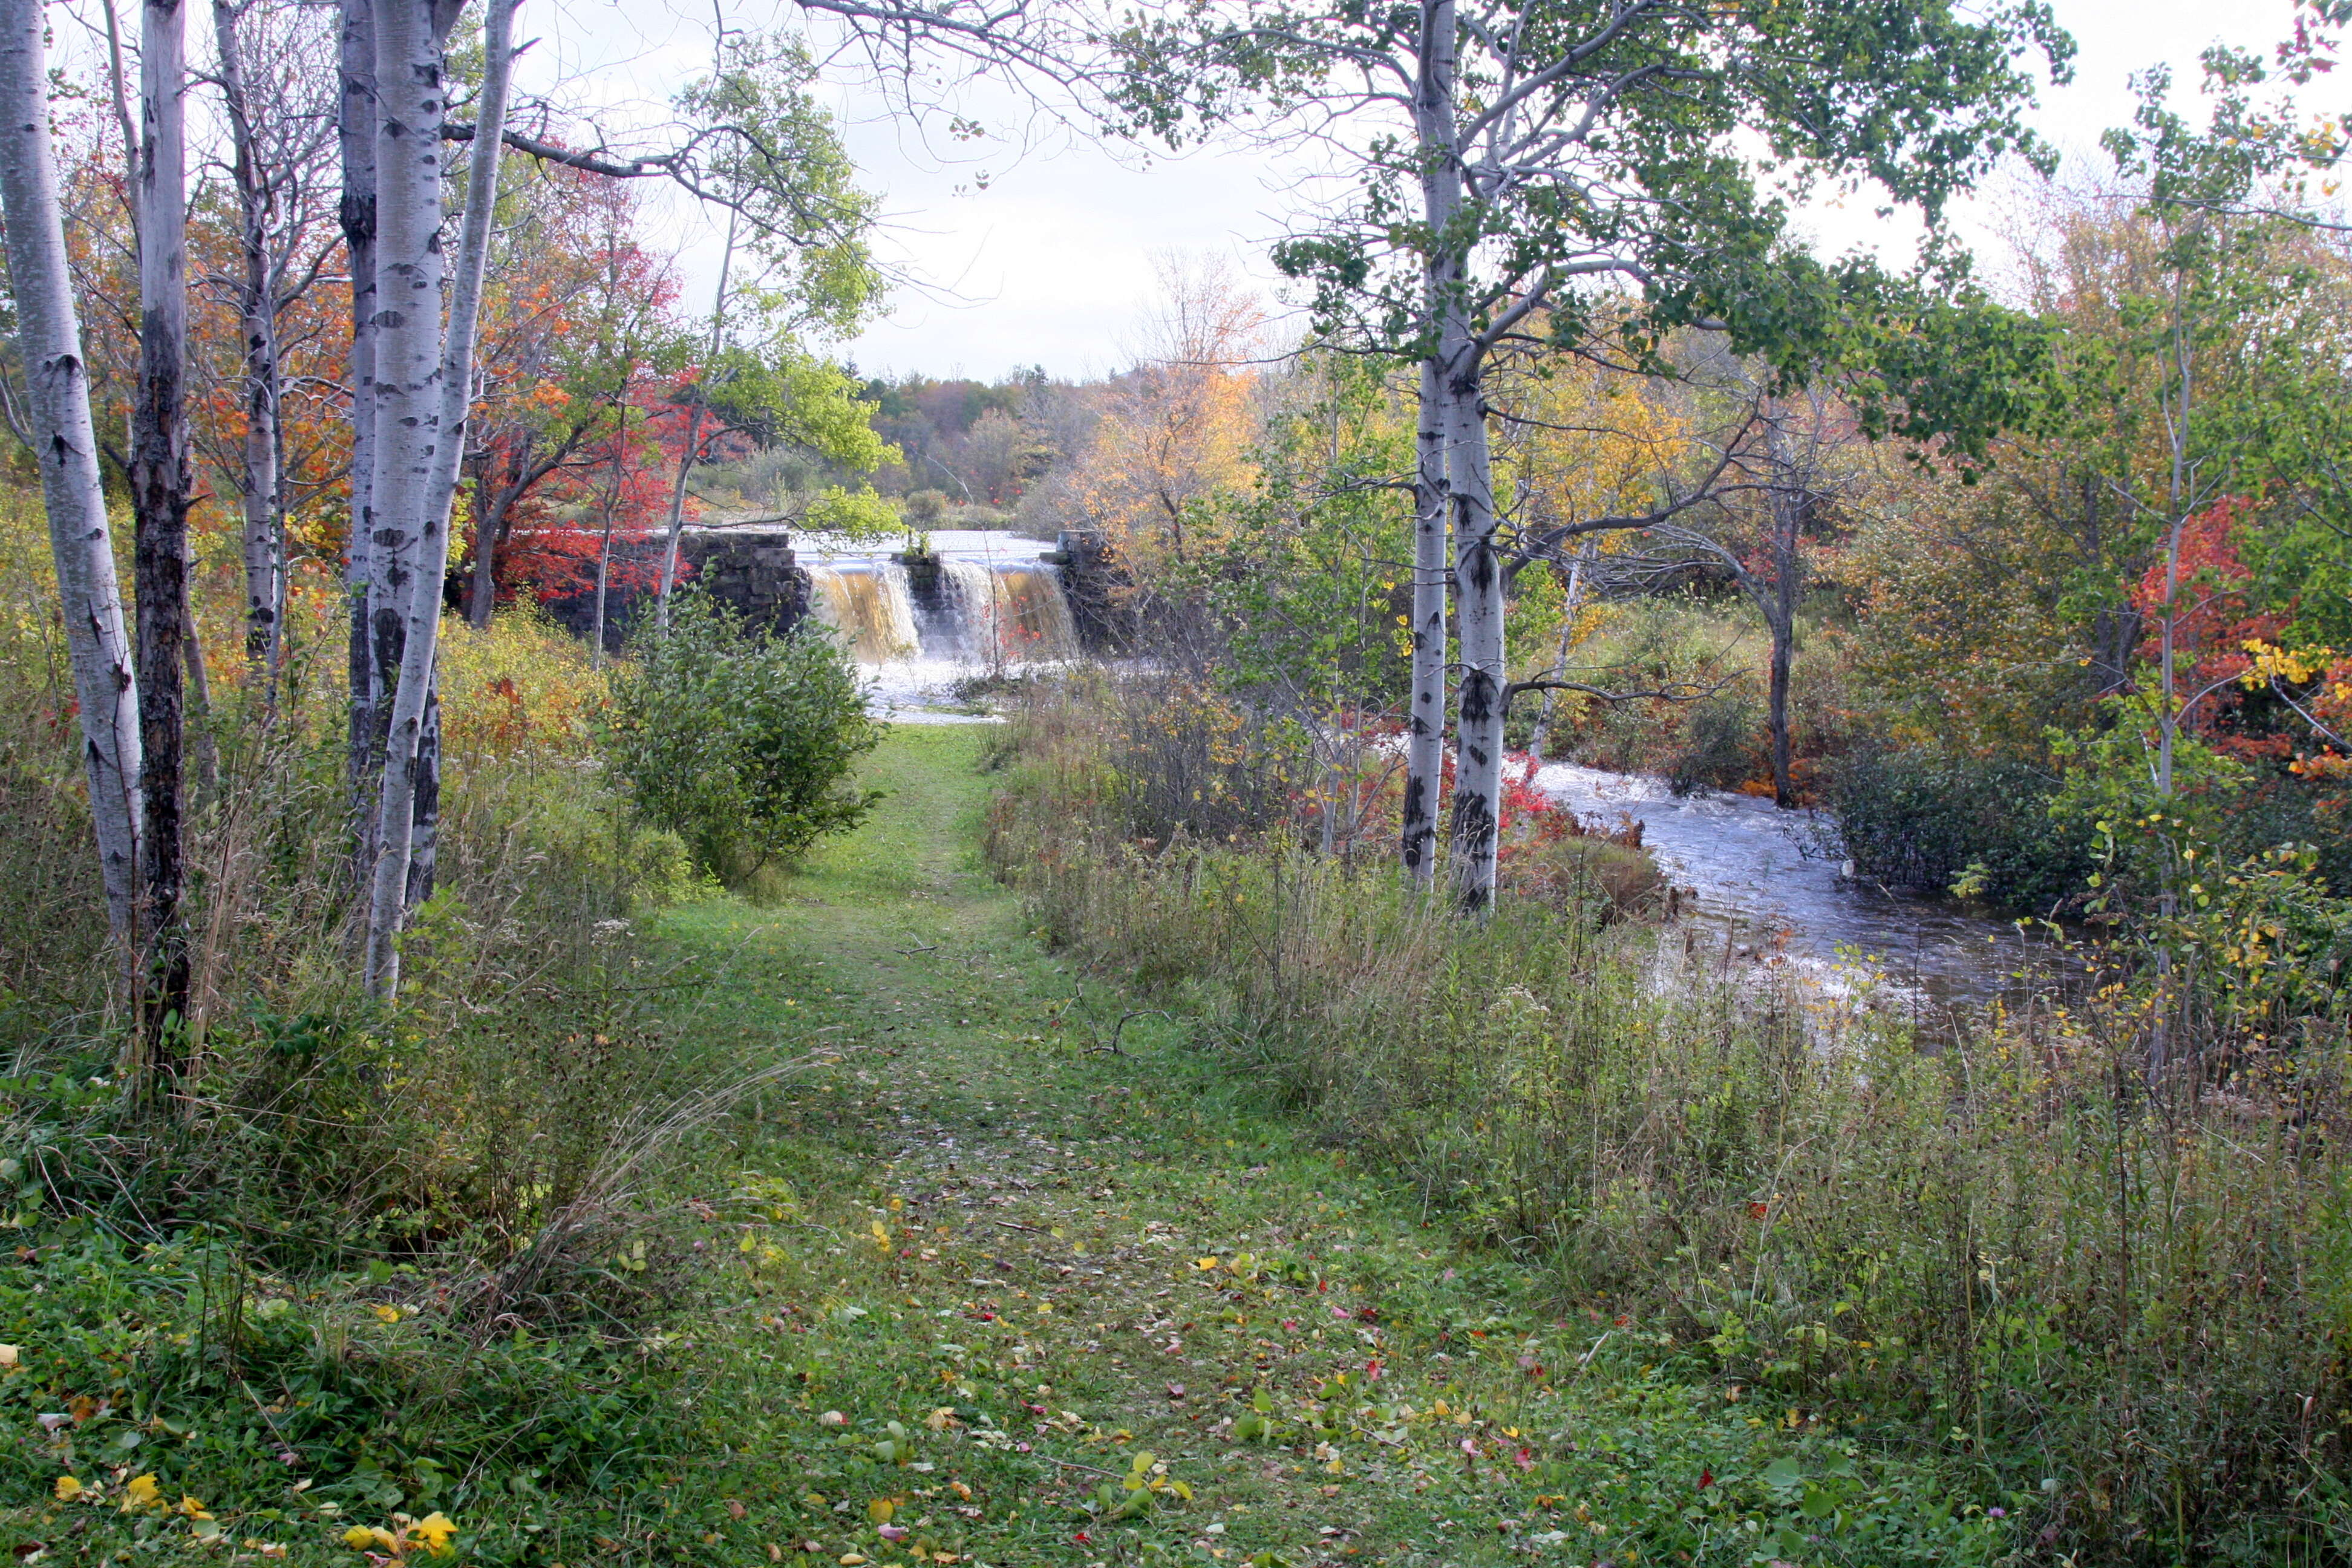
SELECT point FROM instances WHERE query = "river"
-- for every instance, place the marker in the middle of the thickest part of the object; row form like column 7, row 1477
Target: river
column 1767, row 882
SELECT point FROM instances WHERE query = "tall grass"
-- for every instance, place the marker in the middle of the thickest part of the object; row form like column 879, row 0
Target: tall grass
column 1998, row 1245
column 522, row 1052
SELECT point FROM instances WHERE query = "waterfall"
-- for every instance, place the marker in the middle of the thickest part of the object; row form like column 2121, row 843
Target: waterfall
column 986, row 607
column 867, row 604
column 1033, row 618
column 1008, row 613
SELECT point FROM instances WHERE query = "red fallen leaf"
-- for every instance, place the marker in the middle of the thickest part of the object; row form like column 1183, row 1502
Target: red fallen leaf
column 1525, row 1460
column 1082, row 1538
column 1175, row 1391
column 1758, row 1211
column 1033, row 1409
column 1369, row 1314
column 1705, row 1478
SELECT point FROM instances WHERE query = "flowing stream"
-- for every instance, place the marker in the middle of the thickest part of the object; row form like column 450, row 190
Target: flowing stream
column 995, row 605
column 1769, row 890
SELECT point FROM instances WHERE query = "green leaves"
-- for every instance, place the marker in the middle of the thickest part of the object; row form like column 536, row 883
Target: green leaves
column 765, row 148
column 741, row 743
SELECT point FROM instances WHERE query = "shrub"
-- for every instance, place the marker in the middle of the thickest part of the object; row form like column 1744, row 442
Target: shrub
column 739, row 742
column 1927, row 820
column 1720, row 745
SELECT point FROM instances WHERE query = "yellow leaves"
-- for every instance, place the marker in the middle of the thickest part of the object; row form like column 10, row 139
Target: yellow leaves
column 2271, row 663
column 67, row 1488
column 881, row 1510
column 881, row 1235
column 940, row 1419
column 385, row 1314
column 435, row 1530
column 142, row 1492
column 435, row 1534
column 1205, row 1264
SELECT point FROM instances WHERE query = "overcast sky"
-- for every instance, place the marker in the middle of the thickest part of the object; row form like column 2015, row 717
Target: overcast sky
column 1049, row 260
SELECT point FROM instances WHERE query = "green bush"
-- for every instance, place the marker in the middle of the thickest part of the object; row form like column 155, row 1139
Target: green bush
column 1927, row 820
column 738, row 742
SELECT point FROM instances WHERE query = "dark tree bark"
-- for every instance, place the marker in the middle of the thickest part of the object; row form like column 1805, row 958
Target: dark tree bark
column 159, row 498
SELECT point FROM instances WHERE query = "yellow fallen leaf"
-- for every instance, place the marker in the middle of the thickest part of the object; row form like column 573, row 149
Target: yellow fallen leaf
column 1204, row 1264
column 435, row 1530
column 359, row 1538
column 67, row 1488
column 142, row 1493
column 851, row 1559
column 388, row 1314
column 192, row 1508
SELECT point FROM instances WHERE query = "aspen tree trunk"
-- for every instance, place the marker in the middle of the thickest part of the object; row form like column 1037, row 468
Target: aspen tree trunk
column 159, row 498
column 356, row 135
column 425, row 384
column 1478, row 589
column 1424, row 757
column 1788, row 501
column 694, row 431
column 1571, row 598
column 264, row 525
column 1440, row 183
column 72, row 492
column 1784, row 648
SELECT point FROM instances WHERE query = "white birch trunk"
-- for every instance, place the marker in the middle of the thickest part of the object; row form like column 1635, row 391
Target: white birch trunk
column 1441, row 188
column 1571, row 601
column 1424, row 757
column 356, row 135
column 73, row 494
column 264, row 544
column 1478, row 591
column 423, row 384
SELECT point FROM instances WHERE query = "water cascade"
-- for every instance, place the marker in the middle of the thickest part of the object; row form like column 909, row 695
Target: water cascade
column 982, row 601
column 868, row 602
column 1004, row 613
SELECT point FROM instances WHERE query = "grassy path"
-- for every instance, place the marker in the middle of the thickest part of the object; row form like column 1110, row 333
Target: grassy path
column 1003, row 1296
